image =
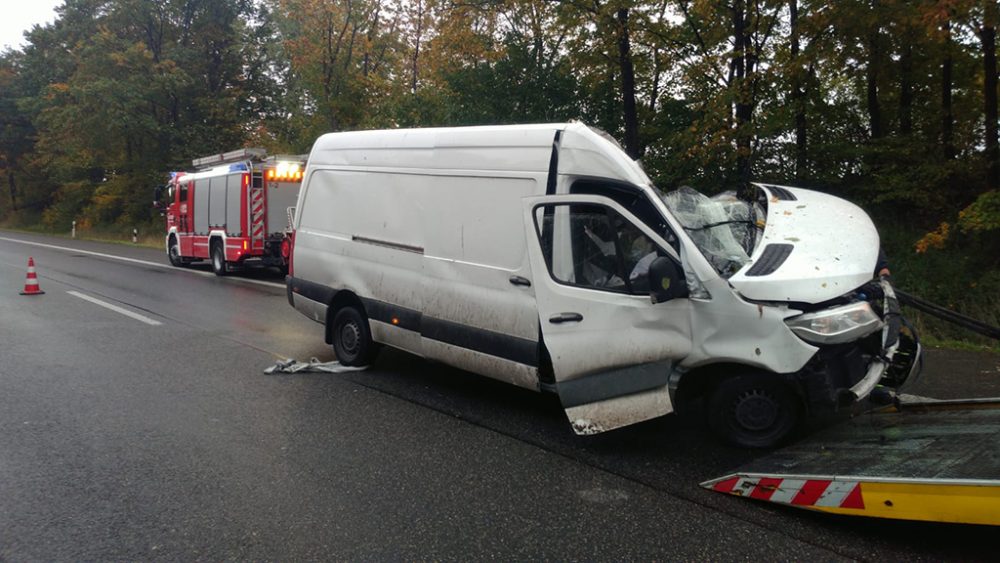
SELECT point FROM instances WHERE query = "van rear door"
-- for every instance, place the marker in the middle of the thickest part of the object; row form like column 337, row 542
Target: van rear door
column 612, row 349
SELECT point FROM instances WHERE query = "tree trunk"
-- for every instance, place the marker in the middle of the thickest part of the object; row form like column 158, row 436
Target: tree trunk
column 906, row 87
column 416, row 46
column 373, row 27
column 13, row 189
column 743, row 70
column 874, row 55
column 632, row 146
column 654, row 94
column 798, row 95
column 988, row 36
column 327, row 66
column 947, row 115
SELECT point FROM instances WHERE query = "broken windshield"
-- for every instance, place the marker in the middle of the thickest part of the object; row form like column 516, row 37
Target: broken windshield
column 723, row 227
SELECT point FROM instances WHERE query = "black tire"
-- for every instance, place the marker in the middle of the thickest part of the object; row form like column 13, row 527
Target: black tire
column 754, row 410
column 352, row 338
column 174, row 254
column 219, row 264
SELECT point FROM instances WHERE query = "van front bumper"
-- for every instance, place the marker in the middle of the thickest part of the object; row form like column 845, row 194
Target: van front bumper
column 846, row 373
column 880, row 368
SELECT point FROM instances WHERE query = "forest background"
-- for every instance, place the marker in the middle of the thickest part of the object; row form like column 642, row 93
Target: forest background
column 889, row 103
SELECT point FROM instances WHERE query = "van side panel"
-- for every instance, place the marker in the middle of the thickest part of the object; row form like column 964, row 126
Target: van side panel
column 431, row 256
column 357, row 233
column 474, row 317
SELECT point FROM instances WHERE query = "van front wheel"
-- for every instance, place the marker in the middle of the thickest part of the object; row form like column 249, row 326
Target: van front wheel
column 754, row 410
column 352, row 338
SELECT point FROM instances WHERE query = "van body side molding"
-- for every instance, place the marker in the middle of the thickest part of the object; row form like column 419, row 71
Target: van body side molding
column 613, row 383
column 407, row 319
column 513, row 348
column 520, row 350
column 310, row 290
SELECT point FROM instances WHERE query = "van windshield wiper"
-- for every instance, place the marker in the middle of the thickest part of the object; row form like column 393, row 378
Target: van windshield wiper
column 719, row 224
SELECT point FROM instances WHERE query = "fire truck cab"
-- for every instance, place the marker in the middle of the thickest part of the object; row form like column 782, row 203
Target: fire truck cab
column 235, row 210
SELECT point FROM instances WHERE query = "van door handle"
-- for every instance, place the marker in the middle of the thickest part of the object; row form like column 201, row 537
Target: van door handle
column 518, row 280
column 566, row 318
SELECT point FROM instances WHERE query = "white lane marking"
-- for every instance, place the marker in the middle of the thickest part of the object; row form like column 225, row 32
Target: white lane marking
column 135, row 261
column 116, row 308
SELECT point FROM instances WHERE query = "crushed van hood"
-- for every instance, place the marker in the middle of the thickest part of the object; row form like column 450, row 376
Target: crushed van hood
column 815, row 247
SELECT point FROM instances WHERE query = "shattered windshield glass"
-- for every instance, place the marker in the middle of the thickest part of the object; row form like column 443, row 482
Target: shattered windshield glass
column 723, row 226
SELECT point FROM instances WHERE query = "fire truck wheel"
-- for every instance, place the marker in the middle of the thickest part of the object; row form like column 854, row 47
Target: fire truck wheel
column 753, row 410
column 219, row 265
column 174, row 254
column 352, row 338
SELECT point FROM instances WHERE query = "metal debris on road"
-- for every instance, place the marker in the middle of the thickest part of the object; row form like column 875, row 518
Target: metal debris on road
column 313, row 365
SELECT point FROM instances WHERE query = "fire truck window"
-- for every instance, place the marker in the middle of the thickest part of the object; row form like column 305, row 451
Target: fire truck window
column 183, row 193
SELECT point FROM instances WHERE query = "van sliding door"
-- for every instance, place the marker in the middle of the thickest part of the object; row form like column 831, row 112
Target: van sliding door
column 612, row 349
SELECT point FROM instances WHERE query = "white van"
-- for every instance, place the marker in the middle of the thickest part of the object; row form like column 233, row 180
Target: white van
column 543, row 256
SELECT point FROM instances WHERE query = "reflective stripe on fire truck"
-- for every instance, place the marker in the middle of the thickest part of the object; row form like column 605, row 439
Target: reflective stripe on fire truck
column 969, row 501
column 257, row 218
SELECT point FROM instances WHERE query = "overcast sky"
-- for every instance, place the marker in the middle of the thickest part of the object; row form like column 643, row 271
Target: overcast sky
column 19, row 15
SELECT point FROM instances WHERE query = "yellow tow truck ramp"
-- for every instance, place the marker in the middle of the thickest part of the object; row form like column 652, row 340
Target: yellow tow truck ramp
column 923, row 459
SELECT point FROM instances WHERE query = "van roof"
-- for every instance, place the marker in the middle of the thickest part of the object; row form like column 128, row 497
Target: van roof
column 583, row 150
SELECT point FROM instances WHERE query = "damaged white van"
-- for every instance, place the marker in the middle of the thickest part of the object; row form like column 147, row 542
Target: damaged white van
column 543, row 256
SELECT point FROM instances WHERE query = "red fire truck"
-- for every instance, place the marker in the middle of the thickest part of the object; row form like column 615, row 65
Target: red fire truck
column 236, row 210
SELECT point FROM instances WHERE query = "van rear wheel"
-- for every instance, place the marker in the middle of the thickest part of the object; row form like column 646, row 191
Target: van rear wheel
column 754, row 410
column 352, row 338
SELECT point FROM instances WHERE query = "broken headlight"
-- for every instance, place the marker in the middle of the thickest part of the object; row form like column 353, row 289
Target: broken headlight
column 836, row 326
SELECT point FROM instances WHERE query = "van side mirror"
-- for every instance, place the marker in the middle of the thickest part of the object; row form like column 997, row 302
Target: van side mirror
column 666, row 280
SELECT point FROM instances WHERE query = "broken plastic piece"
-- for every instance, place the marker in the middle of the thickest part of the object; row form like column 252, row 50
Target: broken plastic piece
column 313, row 365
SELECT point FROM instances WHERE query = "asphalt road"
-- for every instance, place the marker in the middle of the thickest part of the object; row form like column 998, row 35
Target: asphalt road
column 150, row 432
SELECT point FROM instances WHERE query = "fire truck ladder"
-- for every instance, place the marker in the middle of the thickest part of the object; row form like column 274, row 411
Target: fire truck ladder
column 923, row 459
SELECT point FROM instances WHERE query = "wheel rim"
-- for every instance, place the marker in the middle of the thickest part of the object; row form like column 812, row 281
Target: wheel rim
column 350, row 337
column 174, row 254
column 756, row 410
column 217, row 259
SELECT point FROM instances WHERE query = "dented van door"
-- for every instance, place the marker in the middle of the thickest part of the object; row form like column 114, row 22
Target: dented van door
column 612, row 348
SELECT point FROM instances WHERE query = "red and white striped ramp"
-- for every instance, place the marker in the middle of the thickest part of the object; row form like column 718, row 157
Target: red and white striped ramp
column 936, row 461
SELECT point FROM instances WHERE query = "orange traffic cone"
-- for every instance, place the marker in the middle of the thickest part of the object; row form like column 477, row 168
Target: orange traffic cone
column 31, row 282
